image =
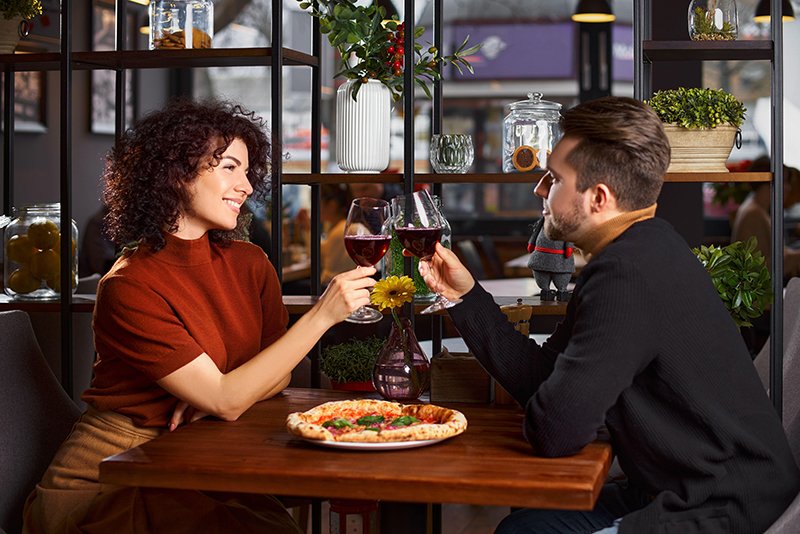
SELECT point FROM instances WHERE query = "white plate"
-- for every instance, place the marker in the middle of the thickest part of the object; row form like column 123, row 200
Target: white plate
column 388, row 446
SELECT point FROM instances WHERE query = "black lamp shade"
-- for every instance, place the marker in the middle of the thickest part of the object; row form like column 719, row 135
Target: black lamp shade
column 765, row 7
column 593, row 11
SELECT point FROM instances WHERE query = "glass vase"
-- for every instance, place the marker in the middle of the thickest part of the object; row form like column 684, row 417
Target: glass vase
column 402, row 371
column 713, row 20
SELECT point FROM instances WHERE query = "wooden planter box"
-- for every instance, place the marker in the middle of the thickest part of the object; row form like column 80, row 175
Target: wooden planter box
column 699, row 150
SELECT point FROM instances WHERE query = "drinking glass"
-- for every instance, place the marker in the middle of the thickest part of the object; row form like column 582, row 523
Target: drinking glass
column 419, row 234
column 366, row 238
column 451, row 153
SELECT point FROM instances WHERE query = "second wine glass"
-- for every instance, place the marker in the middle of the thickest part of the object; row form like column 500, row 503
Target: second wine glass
column 419, row 232
column 366, row 238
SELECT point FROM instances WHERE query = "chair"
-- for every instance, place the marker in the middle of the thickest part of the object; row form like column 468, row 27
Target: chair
column 470, row 255
column 36, row 415
column 788, row 522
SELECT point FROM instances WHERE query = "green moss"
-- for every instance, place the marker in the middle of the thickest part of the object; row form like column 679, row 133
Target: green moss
column 351, row 361
column 706, row 30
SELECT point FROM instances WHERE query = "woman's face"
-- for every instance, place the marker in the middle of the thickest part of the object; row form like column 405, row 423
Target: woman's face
column 217, row 194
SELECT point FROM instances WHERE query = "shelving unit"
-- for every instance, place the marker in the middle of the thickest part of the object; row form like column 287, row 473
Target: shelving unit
column 647, row 52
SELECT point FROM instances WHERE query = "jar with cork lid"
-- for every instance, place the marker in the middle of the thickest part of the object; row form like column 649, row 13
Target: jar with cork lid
column 530, row 131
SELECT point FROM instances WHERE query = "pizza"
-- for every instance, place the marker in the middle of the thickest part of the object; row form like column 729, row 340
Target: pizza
column 376, row 421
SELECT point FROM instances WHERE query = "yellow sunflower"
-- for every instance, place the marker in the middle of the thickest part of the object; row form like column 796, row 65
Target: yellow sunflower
column 393, row 292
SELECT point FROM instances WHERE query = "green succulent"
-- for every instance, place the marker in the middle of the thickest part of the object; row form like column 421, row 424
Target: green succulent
column 27, row 9
column 697, row 108
column 706, row 30
column 740, row 276
column 351, row 361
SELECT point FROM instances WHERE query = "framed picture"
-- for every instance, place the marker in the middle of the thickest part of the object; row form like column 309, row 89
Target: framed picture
column 45, row 30
column 103, row 94
column 30, row 101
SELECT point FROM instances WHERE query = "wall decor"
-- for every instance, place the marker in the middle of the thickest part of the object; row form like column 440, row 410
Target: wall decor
column 103, row 94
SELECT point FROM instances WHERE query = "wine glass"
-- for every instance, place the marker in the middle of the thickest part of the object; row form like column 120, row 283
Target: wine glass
column 419, row 234
column 366, row 239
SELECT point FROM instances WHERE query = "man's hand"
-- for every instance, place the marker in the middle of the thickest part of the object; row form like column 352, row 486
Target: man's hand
column 445, row 274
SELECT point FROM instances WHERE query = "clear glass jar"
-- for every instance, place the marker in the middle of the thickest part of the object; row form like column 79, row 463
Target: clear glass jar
column 530, row 131
column 176, row 24
column 33, row 253
column 713, row 20
column 393, row 264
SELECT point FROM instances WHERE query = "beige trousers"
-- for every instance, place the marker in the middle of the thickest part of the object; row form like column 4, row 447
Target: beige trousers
column 70, row 498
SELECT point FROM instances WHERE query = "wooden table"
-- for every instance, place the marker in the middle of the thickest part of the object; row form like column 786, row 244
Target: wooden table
column 490, row 464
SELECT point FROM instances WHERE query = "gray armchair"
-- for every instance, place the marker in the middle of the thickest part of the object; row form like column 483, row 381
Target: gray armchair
column 789, row 521
column 36, row 415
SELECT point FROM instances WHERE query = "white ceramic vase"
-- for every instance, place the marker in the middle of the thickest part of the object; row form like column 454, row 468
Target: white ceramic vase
column 9, row 34
column 362, row 127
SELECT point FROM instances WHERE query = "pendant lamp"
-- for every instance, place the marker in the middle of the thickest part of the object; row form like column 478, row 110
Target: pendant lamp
column 765, row 7
column 593, row 11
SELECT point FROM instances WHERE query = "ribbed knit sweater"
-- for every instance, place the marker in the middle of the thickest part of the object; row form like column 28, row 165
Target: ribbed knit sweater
column 648, row 350
column 158, row 311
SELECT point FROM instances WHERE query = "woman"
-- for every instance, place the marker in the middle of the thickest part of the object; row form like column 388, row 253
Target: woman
column 189, row 323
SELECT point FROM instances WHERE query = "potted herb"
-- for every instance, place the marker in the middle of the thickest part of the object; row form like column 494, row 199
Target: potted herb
column 349, row 365
column 12, row 15
column 701, row 125
column 740, row 276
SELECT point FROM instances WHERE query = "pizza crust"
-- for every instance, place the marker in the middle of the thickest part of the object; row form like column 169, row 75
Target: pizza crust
column 308, row 424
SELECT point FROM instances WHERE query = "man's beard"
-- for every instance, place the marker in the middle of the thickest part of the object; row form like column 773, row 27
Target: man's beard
column 564, row 227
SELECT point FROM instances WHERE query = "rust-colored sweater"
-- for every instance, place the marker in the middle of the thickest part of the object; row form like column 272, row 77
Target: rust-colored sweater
column 158, row 311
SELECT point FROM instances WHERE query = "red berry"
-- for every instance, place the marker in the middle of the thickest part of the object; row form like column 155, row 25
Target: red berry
column 390, row 50
column 401, row 50
column 398, row 72
column 397, row 65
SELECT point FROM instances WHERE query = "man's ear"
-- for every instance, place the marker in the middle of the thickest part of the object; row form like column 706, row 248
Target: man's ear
column 602, row 198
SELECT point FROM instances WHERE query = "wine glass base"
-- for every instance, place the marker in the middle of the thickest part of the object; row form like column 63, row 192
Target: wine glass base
column 441, row 303
column 364, row 315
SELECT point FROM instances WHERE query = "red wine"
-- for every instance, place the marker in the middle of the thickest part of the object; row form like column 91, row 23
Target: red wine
column 367, row 250
column 419, row 241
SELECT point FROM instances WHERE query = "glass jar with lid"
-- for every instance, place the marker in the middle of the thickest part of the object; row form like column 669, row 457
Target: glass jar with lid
column 530, row 131
column 176, row 24
column 32, row 246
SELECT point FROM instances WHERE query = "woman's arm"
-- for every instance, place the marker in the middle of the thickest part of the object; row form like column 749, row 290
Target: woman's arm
column 202, row 385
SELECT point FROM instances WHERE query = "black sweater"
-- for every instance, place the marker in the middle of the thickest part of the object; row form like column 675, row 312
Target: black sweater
column 648, row 349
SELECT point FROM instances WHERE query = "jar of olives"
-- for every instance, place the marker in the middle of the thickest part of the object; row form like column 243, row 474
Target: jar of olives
column 33, row 253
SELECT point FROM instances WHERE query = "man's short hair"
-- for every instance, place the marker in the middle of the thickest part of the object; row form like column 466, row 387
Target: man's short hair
column 621, row 144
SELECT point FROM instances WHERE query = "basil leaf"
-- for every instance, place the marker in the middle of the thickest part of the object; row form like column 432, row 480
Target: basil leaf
column 373, row 429
column 339, row 422
column 404, row 420
column 370, row 420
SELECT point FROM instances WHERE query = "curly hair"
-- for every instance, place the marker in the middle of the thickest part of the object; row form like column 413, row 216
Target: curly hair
column 148, row 171
column 622, row 144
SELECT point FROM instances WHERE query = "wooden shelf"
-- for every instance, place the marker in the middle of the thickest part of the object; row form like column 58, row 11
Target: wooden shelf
column 204, row 57
column 297, row 305
column 158, row 59
column 30, row 62
column 707, row 50
column 510, row 178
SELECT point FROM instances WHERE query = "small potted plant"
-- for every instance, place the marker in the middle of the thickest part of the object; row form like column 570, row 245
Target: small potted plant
column 13, row 13
column 701, row 125
column 740, row 276
column 713, row 20
column 371, row 47
column 349, row 365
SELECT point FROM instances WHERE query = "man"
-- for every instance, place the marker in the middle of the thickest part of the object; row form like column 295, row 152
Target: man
column 646, row 349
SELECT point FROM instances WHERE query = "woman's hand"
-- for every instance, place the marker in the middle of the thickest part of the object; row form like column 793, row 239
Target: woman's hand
column 184, row 413
column 445, row 274
column 345, row 293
